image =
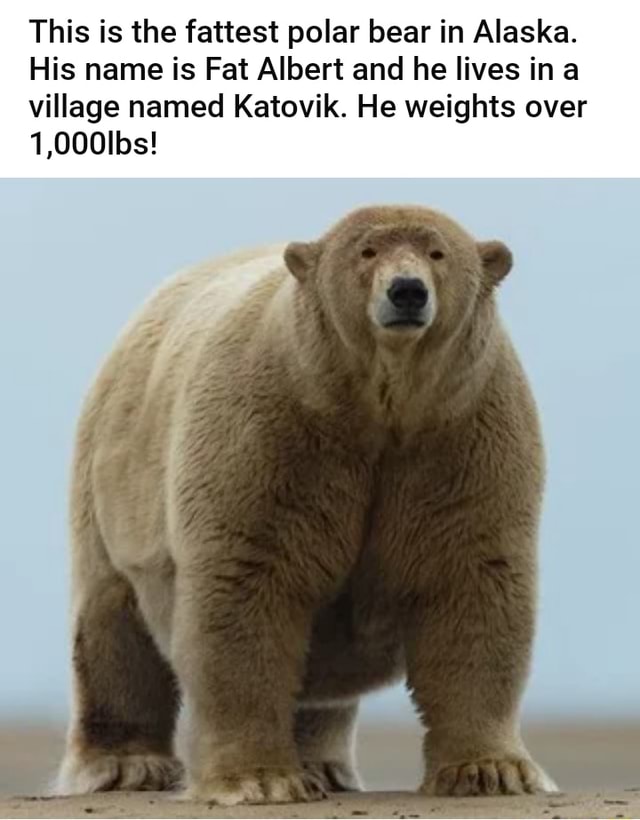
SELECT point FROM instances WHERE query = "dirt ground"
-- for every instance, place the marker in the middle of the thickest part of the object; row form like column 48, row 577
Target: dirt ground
column 597, row 766
column 359, row 806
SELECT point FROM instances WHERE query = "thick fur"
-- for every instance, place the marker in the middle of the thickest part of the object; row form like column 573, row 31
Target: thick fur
column 279, row 504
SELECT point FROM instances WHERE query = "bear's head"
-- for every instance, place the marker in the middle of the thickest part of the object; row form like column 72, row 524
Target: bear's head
column 394, row 276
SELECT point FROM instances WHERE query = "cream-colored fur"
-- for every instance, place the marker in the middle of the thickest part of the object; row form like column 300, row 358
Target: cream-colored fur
column 284, row 498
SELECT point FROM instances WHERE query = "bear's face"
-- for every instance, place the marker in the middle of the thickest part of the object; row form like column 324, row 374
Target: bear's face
column 395, row 275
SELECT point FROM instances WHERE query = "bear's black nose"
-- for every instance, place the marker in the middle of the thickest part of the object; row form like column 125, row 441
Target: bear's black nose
column 407, row 293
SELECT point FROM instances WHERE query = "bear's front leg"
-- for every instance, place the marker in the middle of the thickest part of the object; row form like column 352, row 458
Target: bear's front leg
column 239, row 650
column 264, row 529
column 468, row 647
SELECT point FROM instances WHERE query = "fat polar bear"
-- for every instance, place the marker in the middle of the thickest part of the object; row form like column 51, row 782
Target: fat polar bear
column 303, row 473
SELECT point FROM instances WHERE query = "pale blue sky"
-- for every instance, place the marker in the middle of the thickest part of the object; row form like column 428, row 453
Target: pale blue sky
column 80, row 256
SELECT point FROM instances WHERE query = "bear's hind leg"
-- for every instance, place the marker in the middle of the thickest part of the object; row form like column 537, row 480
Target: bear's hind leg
column 126, row 698
column 325, row 740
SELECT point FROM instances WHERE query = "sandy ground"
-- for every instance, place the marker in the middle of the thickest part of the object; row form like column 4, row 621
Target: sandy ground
column 597, row 766
column 351, row 806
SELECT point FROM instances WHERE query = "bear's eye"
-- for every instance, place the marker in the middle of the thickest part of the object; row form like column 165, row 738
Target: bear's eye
column 436, row 255
column 368, row 253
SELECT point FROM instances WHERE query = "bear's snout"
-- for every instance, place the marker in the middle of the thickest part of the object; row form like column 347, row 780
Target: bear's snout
column 408, row 293
column 403, row 303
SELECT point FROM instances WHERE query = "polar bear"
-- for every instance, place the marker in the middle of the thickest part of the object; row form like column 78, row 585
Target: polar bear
column 303, row 473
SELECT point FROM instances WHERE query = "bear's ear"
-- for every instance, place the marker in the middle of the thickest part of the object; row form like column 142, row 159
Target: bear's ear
column 496, row 260
column 301, row 258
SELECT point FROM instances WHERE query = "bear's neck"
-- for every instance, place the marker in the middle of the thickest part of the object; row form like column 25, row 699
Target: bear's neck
column 420, row 387
column 386, row 393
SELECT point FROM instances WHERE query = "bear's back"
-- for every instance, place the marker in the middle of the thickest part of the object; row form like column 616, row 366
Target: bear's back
column 184, row 311
column 127, row 417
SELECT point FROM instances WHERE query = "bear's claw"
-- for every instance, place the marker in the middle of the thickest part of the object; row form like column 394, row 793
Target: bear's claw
column 259, row 785
column 515, row 775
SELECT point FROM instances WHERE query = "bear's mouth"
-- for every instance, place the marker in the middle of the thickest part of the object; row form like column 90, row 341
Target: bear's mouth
column 406, row 321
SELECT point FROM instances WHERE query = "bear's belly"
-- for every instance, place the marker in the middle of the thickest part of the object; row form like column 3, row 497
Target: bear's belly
column 355, row 648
